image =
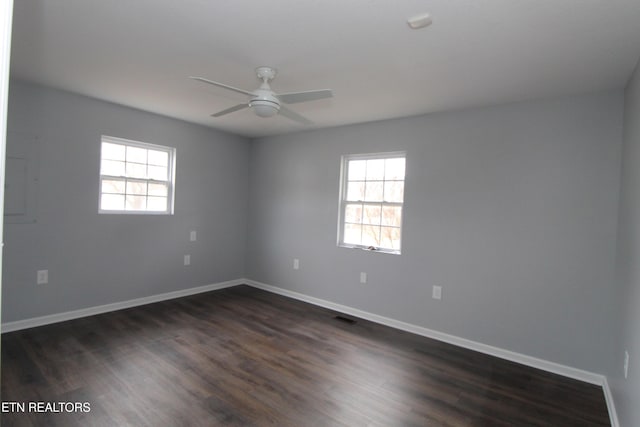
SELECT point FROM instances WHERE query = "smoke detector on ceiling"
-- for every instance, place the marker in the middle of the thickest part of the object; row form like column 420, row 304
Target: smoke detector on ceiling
column 420, row 21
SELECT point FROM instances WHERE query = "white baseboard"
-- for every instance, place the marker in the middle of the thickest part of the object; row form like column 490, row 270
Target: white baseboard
column 608, row 397
column 523, row 359
column 99, row 309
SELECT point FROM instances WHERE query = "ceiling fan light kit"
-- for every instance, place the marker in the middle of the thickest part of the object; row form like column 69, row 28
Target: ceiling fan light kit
column 264, row 108
column 265, row 102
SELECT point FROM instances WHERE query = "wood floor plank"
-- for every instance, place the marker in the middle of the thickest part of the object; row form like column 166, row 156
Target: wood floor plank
column 244, row 357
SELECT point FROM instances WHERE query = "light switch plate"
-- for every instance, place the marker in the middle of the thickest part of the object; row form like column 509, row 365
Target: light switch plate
column 626, row 364
column 43, row 277
column 436, row 292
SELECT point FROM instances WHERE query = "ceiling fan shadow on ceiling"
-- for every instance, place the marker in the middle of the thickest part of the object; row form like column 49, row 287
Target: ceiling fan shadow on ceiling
column 265, row 102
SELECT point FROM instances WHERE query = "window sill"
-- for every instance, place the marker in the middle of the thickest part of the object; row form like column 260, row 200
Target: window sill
column 155, row 213
column 371, row 249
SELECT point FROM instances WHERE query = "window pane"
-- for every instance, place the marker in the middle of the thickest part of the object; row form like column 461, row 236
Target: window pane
column 157, row 204
column 136, row 154
column 113, row 151
column 374, row 189
column 112, row 186
column 394, row 191
column 371, row 215
column 111, row 167
column 390, row 238
column 160, row 158
column 112, row 202
column 353, row 213
column 394, row 168
column 136, row 203
column 135, row 170
column 392, row 215
column 370, row 235
column 352, row 234
column 357, row 169
column 158, row 172
column 158, row 190
column 355, row 191
column 375, row 169
column 136, row 174
column 136, row 187
column 373, row 192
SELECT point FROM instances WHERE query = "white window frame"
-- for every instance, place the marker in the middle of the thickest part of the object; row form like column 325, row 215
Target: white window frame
column 170, row 182
column 344, row 170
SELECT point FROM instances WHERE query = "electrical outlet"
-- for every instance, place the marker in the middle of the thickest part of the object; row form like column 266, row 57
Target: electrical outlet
column 187, row 260
column 43, row 277
column 363, row 277
column 436, row 293
column 192, row 236
column 296, row 264
column 626, row 364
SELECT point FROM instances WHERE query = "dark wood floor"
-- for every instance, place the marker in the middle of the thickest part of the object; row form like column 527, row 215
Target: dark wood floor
column 243, row 357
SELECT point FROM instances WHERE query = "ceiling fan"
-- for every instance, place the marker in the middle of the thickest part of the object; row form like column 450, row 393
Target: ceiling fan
column 265, row 102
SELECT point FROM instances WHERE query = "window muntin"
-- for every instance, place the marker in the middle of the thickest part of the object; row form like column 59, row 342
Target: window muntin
column 371, row 202
column 136, row 177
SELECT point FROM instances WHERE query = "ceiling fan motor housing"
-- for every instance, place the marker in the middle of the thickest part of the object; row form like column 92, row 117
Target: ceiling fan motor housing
column 264, row 103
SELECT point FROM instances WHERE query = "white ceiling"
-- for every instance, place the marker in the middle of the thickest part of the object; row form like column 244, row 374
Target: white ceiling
column 139, row 53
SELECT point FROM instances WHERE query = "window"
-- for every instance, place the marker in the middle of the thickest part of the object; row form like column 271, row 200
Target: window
column 136, row 177
column 372, row 195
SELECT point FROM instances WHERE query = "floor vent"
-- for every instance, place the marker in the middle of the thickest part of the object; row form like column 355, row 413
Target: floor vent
column 345, row 319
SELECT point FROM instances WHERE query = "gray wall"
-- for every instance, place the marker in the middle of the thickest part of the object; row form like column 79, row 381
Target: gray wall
column 97, row 259
column 511, row 209
column 627, row 392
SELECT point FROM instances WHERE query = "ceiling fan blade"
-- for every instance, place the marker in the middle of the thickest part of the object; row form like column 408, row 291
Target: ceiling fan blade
column 211, row 82
column 230, row 110
column 294, row 116
column 311, row 95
